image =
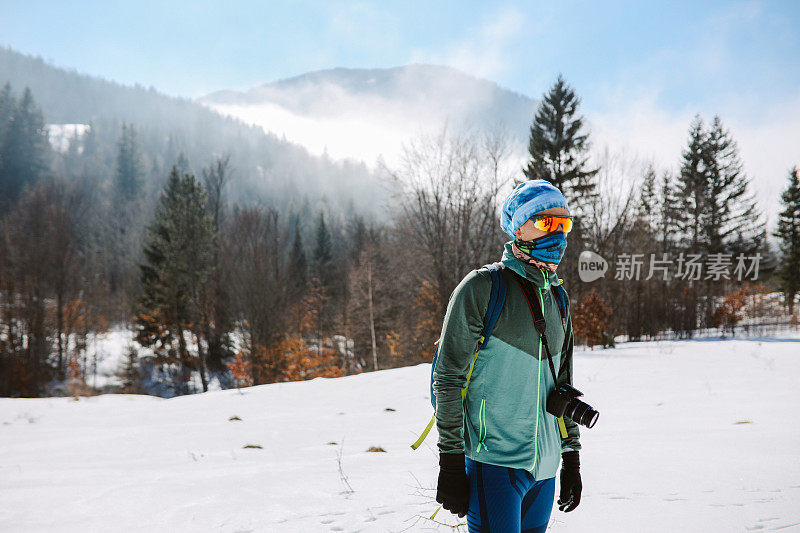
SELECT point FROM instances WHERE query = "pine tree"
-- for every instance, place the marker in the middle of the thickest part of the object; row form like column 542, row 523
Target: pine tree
column 218, row 326
column 322, row 247
column 558, row 146
column 720, row 214
column 733, row 221
column 692, row 182
column 298, row 265
column 129, row 372
column 183, row 164
column 179, row 254
column 129, row 165
column 646, row 206
column 7, row 105
column 788, row 233
column 25, row 149
column 358, row 230
column 668, row 213
column 323, row 273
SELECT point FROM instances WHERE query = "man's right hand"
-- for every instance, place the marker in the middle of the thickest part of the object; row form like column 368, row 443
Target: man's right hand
column 452, row 490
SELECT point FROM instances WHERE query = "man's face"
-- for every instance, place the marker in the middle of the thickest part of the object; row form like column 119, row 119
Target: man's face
column 527, row 232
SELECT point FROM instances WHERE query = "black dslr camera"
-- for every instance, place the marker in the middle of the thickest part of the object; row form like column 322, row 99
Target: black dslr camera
column 563, row 401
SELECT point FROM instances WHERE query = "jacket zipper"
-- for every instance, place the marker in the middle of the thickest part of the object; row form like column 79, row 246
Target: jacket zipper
column 538, row 386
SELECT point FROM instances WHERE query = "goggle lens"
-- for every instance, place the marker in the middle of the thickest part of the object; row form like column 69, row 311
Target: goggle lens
column 550, row 223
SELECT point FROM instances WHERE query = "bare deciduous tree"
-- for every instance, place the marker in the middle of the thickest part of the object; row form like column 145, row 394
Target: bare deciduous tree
column 255, row 244
column 444, row 225
column 448, row 207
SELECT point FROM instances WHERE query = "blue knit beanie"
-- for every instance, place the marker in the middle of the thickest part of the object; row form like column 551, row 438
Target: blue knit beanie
column 526, row 200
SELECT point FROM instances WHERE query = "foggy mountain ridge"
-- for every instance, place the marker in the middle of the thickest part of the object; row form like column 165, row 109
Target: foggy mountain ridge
column 379, row 108
column 439, row 85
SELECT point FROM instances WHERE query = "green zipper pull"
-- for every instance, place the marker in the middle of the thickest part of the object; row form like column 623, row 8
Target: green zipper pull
column 484, row 426
column 482, row 429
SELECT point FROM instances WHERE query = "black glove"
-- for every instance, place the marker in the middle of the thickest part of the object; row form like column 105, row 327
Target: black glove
column 452, row 490
column 571, row 485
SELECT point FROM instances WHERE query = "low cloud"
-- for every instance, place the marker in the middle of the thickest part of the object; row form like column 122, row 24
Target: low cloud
column 366, row 114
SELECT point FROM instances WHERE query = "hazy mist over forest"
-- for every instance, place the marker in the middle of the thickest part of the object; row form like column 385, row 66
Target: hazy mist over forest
column 265, row 168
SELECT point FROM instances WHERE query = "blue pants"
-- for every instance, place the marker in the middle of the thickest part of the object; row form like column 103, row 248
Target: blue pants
column 507, row 500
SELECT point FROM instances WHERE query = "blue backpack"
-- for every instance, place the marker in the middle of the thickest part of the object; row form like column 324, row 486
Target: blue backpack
column 497, row 299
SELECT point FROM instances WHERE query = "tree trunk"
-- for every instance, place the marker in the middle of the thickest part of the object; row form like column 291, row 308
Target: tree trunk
column 182, row 354
column 202, row 360
column 59, row 331
column 371, row 316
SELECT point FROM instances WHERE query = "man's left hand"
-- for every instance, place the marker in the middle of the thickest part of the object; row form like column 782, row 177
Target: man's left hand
column 571, row 485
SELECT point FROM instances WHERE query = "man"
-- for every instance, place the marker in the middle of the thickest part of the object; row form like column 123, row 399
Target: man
column 499, row 449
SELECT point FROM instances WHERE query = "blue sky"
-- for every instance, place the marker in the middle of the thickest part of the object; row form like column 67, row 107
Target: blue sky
column 686, row 53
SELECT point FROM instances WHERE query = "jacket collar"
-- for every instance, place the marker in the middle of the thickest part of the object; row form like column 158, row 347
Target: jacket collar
column 540, row 278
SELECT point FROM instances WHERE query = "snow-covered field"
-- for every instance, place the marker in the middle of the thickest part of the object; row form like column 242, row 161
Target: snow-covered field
column 693, row 436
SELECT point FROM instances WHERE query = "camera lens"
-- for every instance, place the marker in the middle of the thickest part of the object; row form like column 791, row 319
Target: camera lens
column 582, row 413
column 591, row 418
column 564, row 401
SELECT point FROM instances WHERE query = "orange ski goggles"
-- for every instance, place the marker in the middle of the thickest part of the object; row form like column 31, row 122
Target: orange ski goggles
column 551, row 223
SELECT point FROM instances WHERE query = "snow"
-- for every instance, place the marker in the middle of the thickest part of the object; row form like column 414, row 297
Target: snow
column 106, row 356
column 61, row 135
column 108, row 351
column 697, row 435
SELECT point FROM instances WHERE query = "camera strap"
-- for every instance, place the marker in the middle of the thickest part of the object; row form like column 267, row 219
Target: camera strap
column 538, row 318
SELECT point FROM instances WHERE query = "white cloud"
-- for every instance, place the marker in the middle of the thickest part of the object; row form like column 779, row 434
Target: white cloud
column 350, row 135
column 483, row 54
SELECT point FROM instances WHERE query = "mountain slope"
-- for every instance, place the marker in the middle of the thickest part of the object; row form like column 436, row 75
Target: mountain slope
column 267, row 168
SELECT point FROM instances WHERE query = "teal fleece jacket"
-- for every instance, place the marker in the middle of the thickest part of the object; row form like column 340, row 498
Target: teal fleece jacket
column 502, row 419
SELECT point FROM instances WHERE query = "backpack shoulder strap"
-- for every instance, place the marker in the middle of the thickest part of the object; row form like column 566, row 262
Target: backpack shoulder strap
column 497, row 299
column 561, row 298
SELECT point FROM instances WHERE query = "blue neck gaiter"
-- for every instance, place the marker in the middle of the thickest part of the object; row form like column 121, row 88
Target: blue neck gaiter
column 548, row 248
